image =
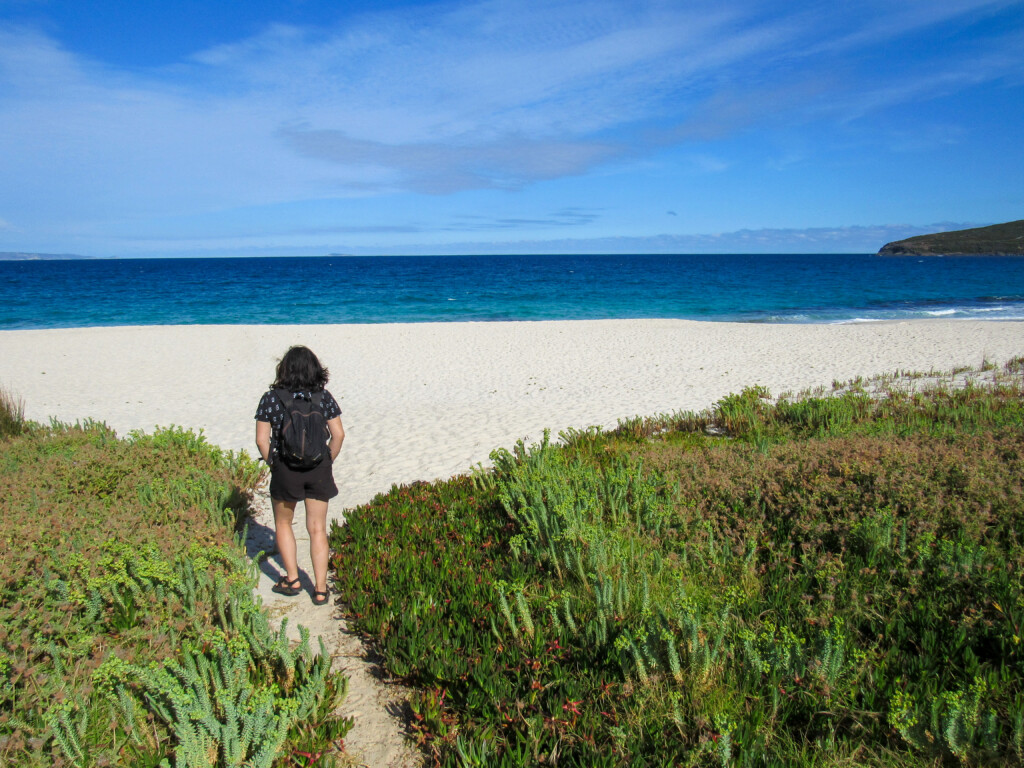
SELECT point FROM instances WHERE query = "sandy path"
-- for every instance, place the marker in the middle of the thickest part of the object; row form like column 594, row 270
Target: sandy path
column 377, row 738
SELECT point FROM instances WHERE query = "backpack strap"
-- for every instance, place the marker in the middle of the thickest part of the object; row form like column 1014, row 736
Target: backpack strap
column 285, row 397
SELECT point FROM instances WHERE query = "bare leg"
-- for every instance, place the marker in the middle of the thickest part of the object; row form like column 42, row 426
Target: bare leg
column 284, row 514
column 316, row 526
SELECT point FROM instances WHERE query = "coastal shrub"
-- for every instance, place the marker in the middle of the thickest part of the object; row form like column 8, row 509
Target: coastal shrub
column 129, row 633
column 12, row 414
column 835, row 583
column 884, row 406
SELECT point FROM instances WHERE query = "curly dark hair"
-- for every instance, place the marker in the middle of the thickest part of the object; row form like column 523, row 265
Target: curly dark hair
column 300, row 370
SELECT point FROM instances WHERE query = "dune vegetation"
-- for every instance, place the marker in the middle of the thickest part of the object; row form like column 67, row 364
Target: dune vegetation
column 129, row 632
column 835, row 578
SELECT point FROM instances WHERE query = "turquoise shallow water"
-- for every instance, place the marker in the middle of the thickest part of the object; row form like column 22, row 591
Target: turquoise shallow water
column 747, row 288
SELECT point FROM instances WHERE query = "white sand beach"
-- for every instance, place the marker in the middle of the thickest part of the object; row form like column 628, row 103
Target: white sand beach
column 423, row 401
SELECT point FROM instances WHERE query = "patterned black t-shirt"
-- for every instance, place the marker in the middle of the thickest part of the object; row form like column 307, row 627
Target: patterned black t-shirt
column 272, row 409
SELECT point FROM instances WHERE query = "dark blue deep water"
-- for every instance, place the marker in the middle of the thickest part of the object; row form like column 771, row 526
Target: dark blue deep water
column 747, row 288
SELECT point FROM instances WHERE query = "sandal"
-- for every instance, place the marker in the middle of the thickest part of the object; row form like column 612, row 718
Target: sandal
column 319, row 598
column 286, row 586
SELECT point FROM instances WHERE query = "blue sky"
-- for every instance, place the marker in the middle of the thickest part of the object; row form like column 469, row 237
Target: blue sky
column 307, row 127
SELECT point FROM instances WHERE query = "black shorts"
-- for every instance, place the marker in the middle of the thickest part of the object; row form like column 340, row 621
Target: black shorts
column 287, row 484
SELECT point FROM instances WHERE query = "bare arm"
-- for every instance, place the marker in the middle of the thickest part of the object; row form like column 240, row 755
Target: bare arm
column 337, row 436
column 263, row 439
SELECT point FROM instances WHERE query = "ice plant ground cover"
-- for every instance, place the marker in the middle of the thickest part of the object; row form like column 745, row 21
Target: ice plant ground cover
column 834, row 578
column 128, row 630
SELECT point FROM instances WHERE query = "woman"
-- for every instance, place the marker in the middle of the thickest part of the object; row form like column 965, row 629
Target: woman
column 301, row 375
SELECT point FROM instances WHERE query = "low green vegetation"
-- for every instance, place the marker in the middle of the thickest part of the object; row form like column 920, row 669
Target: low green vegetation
column 129, row 634
column 824, row 580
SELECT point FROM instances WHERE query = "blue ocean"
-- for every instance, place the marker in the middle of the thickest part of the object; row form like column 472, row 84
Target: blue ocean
column 389, row 289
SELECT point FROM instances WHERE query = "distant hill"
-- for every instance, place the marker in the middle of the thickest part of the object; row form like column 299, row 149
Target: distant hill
column 997, row 240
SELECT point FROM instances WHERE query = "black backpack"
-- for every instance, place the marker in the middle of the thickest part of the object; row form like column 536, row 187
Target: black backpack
column 302, row 443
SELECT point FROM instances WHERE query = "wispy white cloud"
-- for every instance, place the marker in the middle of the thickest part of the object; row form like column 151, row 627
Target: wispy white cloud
column 848, row 239
column 290, row 234
column 564, row 218
column 323, row 240
column 450, row 97
column 705, row 163
column 438, row 168
column 925, row 137
column 875, row 22
column 955, row 73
